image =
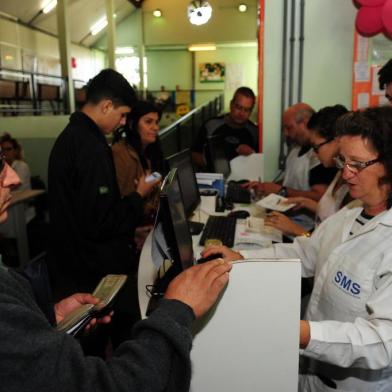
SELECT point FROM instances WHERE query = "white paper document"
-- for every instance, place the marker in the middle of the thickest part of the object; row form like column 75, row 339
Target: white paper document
column 275, row 202
column 247, row 167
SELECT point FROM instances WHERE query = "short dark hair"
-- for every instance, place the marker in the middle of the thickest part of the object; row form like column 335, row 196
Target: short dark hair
column 246, row 92
column 110, row 84
column 385, row 75
column 323, row 122
column 375, row 125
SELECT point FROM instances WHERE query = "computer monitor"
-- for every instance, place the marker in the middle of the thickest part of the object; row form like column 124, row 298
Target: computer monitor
column 217, row 160
column 182, row 161
column 171, row 217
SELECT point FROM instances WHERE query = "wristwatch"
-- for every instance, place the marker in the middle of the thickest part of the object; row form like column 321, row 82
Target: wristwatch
column 283, row 191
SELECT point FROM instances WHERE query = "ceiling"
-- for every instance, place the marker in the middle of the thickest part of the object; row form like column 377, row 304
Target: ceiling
column 82, row 14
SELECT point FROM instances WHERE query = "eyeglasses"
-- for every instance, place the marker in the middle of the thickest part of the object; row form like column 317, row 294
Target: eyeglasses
column 316, row 147
column 354, row 166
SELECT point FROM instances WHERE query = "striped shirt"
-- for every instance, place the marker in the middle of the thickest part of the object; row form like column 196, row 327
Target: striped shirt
column 360, row 221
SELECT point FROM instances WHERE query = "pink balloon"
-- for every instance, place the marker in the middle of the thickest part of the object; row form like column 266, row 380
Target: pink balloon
column 369, row 21
column 371, row 3
column 386, row 16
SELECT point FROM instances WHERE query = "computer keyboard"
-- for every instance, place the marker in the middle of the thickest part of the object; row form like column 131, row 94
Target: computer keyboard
column 236, row 194
column 219, row 228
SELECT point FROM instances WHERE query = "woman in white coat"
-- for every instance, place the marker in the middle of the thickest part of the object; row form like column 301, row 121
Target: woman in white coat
column 346, row 337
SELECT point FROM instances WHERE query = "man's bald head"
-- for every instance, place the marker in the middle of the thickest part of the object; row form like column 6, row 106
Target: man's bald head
column 295, row 120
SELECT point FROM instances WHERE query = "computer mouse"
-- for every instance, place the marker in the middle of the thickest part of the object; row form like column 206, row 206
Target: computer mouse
column 210, row 257
column 239, row 214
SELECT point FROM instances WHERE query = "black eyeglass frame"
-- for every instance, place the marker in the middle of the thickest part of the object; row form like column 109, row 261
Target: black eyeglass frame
column 316, row 147
column 355, row 166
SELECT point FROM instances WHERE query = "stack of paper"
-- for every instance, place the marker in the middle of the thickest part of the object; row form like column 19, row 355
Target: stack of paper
column 275, row 202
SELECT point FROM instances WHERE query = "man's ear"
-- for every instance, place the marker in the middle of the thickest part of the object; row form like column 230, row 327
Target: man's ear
column 106, row 105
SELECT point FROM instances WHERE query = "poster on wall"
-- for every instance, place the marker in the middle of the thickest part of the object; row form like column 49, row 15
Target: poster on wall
column 211, row 72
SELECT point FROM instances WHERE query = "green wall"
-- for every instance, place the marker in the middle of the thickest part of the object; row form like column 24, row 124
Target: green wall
column 241, row 68
column 169, row 68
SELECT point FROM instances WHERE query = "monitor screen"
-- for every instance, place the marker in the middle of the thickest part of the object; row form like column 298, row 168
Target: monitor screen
column 171, row 216
column 217, row 160
column 182, row 161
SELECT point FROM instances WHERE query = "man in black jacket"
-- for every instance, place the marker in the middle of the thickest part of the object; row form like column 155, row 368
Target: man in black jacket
column 90, row 223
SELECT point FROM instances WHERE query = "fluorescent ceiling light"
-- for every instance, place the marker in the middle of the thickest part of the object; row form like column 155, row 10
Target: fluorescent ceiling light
column 49, row 5
column 100, row 25
column 201, row 47
column 242, row 7
column 157, row 13
column 125, row 50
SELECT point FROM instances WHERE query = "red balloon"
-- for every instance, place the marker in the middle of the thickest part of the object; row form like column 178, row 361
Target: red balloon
column 371, row 3
column 386, row 16
column 369, row 21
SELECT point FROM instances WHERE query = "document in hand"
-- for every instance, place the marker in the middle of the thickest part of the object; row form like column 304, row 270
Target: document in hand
column 106, row 291
column 275, row 202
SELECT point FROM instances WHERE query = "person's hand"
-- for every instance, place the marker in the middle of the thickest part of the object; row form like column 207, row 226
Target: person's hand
column 304, row 333
column 145, row 188
column 257, row 186
column 244, row 149
column 302, row 202
column 282, row 222
column 141, row 234
column 200, row 285
column 69, row 304
column 271, row 187
column 263, row 188
column 227, row 253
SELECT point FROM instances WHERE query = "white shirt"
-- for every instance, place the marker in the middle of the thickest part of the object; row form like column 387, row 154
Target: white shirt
column 297, row 169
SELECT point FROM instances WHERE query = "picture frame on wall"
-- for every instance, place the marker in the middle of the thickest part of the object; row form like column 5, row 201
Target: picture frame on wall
column 212, row 72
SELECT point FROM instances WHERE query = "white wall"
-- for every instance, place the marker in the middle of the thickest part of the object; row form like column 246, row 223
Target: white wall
column 328, row 53
column 329, row 43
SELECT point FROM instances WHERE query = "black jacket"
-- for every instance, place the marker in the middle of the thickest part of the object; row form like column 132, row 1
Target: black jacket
column 91, row 224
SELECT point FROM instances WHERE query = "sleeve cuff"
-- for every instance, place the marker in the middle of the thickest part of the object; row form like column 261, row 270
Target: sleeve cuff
column 181, row 312
column 257, row 253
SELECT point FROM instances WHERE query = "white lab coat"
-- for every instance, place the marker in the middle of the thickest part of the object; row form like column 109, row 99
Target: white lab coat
column 350, row 309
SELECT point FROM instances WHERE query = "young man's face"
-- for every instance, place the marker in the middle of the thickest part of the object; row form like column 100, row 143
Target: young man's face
column 113, row 117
